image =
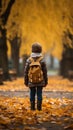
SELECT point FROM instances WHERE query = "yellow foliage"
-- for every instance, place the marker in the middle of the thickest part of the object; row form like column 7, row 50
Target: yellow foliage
column 43, row 21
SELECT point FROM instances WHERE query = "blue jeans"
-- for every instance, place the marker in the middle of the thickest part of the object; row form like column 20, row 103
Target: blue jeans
column 36, row 91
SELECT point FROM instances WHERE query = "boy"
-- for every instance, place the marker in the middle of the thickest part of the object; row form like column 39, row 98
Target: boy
column 36, row 86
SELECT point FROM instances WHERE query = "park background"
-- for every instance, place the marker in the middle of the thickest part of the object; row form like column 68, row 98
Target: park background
column 49, row 22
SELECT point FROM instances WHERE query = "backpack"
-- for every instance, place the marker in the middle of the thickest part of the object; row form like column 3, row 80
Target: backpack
column 35, row 74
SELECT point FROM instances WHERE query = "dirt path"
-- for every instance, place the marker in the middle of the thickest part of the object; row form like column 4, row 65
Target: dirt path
column 49, row 94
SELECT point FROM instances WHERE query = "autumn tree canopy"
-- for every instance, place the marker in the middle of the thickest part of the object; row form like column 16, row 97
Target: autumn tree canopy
column 42, row 21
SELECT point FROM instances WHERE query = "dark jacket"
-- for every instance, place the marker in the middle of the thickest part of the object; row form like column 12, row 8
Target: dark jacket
column 26, row 69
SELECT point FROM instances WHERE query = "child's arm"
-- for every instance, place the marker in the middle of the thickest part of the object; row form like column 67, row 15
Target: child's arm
column 45, row 72
column 26, row 68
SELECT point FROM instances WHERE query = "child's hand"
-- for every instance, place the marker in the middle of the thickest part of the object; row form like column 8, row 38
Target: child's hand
column 46, row 84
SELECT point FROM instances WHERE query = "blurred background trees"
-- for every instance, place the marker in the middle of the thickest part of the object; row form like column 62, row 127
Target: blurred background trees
column 66, row 63
column 48, row 22
column 4, row 14
column 15, row 47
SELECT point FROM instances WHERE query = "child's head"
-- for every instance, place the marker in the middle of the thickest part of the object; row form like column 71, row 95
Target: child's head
column 36, row 48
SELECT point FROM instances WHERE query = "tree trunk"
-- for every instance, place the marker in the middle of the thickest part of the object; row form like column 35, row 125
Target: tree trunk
column 66, row 64
column 15, row 48
column 3, row 43
column 51, row 62
column 15, row 57
column 3, row 55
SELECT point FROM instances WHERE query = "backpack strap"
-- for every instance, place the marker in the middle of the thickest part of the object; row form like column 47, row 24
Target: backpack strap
column 31, row 59
column 38, row 59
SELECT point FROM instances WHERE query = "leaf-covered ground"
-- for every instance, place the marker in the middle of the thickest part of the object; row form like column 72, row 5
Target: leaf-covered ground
column 15, row 112
column 54, row 84
column 56, row 114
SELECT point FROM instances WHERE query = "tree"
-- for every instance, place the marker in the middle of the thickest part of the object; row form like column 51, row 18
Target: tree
column 51, row 62
column 66, row 63
column 4, row 15
column 15, row 48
